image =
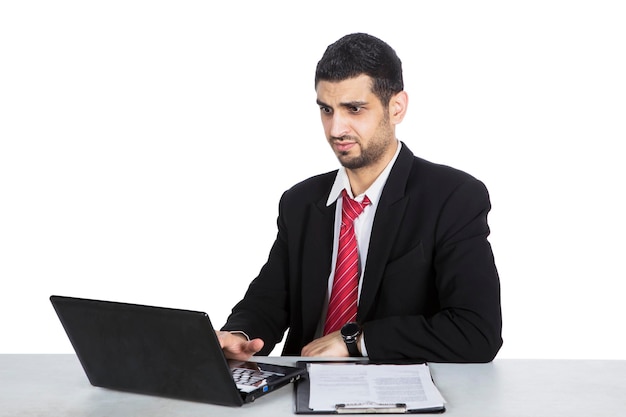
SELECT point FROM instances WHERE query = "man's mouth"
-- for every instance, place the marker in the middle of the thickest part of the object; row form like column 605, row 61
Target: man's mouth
column 344, row 145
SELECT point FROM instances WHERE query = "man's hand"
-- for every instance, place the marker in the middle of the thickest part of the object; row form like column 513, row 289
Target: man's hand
column 237, row 346
column 330, row 345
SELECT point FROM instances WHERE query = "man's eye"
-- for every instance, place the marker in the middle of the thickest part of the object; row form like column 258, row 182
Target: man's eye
column 325, row 110
column 355, row 109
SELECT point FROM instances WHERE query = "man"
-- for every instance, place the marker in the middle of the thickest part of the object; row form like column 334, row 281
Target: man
column 424, row 280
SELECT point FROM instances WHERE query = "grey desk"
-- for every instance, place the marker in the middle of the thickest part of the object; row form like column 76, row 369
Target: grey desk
column 54, row 385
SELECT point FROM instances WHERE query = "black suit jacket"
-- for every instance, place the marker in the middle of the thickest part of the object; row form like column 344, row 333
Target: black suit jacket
column 430, row 288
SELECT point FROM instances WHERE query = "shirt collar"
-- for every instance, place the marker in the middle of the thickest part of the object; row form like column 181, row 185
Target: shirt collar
column 373, row 192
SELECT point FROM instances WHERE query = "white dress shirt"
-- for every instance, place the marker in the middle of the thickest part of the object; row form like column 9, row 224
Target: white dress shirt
column 362, row 225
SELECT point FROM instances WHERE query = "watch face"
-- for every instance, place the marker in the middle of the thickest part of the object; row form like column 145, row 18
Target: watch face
column 350, row 329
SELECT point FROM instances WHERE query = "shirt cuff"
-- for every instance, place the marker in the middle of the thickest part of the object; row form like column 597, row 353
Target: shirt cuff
column 362, row 345
column 240, row 332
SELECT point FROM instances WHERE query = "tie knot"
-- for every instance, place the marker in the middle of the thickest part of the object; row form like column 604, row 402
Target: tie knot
column 352, row 208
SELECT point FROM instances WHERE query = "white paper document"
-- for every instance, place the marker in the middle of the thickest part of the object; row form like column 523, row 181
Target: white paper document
column 371, row 386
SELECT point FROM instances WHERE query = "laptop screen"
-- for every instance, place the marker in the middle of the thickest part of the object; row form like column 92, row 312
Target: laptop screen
column 158, row 351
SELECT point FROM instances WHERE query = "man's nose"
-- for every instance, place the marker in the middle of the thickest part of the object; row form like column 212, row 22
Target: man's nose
column 339, row 126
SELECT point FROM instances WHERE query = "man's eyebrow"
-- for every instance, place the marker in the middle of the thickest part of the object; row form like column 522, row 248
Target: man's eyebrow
column 356, row 103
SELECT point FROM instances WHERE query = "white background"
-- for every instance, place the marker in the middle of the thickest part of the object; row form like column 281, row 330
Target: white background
column 135, row 136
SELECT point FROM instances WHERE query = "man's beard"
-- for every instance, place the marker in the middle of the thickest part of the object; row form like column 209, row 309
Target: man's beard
column 373, row 153
column 368, row 156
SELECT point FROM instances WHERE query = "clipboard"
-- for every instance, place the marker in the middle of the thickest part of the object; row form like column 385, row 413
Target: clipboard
column 302, row 396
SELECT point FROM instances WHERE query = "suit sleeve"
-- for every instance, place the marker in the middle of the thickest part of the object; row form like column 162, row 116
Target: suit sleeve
column 467, row 325
column 264, row 310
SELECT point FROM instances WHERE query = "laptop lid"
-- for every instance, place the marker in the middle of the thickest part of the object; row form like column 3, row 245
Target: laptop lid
column 158, row 351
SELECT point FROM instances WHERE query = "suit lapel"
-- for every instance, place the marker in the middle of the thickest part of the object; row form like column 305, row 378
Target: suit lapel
column 317, row 257
column 387, row 221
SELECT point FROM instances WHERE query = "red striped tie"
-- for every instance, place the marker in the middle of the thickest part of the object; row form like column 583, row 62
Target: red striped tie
column 343, row 299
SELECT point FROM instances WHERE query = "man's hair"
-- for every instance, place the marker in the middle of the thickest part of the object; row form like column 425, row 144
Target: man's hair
column 360, row 53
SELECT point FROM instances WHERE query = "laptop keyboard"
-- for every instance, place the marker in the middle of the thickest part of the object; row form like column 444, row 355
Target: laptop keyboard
column 250, row 379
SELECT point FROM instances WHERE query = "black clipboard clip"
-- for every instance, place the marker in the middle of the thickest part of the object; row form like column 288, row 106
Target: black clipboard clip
column 370, row 407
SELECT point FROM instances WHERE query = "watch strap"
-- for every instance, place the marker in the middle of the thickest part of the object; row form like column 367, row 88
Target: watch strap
column 353, row 349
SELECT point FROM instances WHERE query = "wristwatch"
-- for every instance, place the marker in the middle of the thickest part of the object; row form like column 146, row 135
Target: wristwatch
column 350, row 333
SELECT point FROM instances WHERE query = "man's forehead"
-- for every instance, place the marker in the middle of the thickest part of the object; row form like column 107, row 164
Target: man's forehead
column 357, row 89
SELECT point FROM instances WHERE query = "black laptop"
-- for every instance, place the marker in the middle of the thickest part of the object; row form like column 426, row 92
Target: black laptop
column 162, row 351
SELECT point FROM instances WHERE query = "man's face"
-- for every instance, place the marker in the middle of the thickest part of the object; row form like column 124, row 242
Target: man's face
column 356, row 124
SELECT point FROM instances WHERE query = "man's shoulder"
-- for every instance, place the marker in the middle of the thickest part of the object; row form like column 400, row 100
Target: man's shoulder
column 423, row 170
column 312, row 188
column 440, row 171
column 435, row 182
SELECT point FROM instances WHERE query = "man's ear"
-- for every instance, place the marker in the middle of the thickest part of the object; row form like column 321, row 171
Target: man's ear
column 397, row 107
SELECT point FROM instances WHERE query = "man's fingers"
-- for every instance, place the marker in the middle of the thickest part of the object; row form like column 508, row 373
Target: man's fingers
column 329, row 345
column 255, row 345
column 236, row 346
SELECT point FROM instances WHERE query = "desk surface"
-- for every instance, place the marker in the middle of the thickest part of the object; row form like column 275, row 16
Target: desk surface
column 55, row 385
